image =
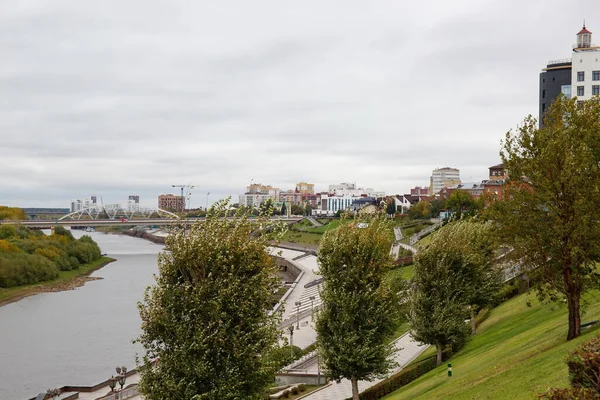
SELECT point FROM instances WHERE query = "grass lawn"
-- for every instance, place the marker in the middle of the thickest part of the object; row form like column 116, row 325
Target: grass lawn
column 406, row 272
column 519, row 351
column 14, row 293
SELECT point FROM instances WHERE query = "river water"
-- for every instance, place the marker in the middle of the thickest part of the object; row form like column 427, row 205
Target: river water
column 77, row 337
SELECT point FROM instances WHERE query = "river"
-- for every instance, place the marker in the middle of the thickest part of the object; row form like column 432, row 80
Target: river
column 77, row 337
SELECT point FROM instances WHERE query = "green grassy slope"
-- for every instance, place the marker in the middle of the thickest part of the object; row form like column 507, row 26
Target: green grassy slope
column 518, row 351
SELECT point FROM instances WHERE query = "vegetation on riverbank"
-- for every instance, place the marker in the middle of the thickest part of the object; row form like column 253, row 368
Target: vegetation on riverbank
column 66, row 280
column 29, row 256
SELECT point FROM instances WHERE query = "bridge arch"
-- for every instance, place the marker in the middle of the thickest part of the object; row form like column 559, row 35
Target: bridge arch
column 114, row 211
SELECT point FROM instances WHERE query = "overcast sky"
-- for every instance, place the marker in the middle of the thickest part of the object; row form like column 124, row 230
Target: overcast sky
column 112, row 98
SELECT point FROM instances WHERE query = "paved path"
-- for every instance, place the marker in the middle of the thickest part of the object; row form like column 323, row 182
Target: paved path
column 343, row 390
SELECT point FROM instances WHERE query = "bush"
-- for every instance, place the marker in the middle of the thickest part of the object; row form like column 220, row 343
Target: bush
column 401, row 378
column 569, row 394
column 302, row 387
column 286, row 394
column 22, row 269
column 295, row 390
column 584, row 365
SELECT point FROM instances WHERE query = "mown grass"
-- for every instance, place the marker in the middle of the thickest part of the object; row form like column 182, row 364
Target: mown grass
column 8, row 295
column 519, row 351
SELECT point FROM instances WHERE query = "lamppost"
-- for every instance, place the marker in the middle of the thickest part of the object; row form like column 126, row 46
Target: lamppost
column 291, row 329
column 312, row 314
column 298, row 304
column 206, row 208
column 112, row 381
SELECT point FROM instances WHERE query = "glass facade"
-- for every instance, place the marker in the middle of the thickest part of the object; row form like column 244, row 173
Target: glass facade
column 566, row 90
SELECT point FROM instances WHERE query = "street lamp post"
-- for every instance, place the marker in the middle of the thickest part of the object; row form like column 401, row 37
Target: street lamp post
column 291, row 329
column 120, row 378
column 206, row 208
column 312, row 313
column 298, row 304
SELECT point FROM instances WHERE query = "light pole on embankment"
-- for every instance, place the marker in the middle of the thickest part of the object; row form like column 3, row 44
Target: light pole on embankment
column 298, row 304
column 120, row 378
column 312, row 314
column 291, row 330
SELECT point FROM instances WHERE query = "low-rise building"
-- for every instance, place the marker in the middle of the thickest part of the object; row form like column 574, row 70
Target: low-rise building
column 171, row 202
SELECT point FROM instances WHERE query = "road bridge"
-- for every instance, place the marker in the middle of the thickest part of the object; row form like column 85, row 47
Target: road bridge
column 40, row 224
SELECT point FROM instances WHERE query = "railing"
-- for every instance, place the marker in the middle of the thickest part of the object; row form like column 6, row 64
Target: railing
column 124, row 394
column 559, row 61
column 584, row 46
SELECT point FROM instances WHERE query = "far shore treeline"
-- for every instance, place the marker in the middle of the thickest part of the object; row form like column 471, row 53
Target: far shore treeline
column 29, row 256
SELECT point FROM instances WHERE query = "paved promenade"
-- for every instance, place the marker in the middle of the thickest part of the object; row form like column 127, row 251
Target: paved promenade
column 409, row 350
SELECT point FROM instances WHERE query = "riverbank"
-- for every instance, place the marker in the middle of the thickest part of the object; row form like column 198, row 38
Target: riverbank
column 66, row 280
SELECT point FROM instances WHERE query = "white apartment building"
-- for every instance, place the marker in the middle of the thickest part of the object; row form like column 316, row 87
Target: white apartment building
column 443, row 177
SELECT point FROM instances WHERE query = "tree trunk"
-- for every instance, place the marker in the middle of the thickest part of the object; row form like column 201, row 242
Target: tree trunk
column 354, row 388
column 573, row 299
column 473, row 323
column 439, row 349
column 573, row 293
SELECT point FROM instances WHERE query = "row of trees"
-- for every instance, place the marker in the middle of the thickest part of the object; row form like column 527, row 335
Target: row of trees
column 28, row 256
column 207, row 317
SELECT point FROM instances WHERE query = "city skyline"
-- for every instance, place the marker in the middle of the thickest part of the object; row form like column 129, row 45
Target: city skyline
column 115, row 98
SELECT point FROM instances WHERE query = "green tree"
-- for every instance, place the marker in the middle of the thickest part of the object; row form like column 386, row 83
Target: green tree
column 549, row 214
column 283, row 209
column 207, row 315
column 461, row 202
column 420, row 210
column 390, row 209
column 436, row 206
column 360, row 307
column 438, row 302
column 297, row 210
column 308, row 209
column 12, row 213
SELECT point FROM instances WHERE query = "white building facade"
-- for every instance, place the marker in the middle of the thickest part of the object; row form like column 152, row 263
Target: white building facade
column 585, row 67
column 443, row 177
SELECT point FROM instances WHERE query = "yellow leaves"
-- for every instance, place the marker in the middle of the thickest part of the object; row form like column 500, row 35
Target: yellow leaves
column 7, row 247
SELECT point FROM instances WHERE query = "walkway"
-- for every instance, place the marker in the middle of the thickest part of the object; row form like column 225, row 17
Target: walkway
column 313, row 221
column 409, row 350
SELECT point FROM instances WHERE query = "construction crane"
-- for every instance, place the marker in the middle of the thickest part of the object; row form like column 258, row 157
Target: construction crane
column 186, row 198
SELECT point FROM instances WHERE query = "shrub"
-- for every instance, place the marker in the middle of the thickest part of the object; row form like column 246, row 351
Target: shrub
column 302, row 387
column 295, row 390
column 400, row 379
column 584, row 365
column 286, row 394
column 21, row 269
column 569, row 394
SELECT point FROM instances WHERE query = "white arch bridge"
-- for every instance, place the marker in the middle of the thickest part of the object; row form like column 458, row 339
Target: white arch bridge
column 118, row 211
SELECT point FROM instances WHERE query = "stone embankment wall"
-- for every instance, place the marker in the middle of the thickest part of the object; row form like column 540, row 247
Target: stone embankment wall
column 145, row 235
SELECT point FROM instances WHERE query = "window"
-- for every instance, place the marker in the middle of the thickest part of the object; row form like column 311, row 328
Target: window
column 596, row 75
column 566, row 90
column 543, row 109
column 544, row 94
column 580, row 76
column 595, row 90
column 580, row 91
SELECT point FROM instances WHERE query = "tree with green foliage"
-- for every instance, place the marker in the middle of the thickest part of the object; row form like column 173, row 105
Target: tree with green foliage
column 390, row 208
column 206, row 317
column 297, row 210
column 549, row 214
column 420, row 210
column 436, row 205
column 284, row 209
column 454, row 275
column 308, row 209
column 360, row 306
column 461, row 202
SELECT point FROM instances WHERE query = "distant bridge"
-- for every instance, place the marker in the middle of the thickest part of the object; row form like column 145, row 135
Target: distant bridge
column 39, row 224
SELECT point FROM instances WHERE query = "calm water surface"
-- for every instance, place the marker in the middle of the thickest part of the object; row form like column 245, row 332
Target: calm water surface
column 77, row 337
